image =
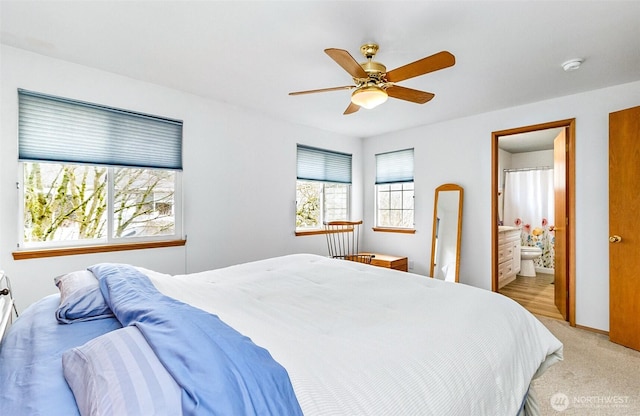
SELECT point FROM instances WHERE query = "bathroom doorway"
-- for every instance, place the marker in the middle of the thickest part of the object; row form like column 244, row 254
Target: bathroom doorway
column 545, row 232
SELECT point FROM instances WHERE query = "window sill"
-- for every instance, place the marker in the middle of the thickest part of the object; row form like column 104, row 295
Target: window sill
column 310, row 232
column 318, row 231
column 395, row 230
column 72, row 251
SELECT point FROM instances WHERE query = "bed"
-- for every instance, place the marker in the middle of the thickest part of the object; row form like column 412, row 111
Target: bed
column 298, row 334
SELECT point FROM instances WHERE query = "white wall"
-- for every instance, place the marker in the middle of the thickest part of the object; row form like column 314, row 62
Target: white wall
column 536, row 159
column 239, row 174
column 504, row 162
column 239, row 179
column 459, row 151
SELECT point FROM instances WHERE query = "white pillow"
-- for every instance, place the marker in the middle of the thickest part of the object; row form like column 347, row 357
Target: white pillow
column 80, row 298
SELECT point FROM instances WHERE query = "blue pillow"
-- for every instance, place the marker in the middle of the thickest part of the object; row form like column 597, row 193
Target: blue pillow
column 119, row 374
column 80, row 298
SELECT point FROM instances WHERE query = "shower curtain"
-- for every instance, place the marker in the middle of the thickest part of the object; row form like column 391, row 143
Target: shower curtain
column 529, row 204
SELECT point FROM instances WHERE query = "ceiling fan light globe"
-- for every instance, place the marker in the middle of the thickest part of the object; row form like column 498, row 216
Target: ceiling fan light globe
column 369, row 97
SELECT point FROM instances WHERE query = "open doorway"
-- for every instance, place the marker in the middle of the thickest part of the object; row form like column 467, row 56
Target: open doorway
column 532, row 233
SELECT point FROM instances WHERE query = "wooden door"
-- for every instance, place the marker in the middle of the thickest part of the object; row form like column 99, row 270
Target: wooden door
column 624, row 205
column 561, row 221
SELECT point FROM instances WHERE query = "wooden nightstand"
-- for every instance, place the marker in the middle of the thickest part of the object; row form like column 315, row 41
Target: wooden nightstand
column 390, row 262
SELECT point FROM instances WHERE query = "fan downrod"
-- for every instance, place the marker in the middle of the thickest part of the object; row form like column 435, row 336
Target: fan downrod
column 372, row 68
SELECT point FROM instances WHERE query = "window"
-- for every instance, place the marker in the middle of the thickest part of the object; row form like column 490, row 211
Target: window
column 395, row 190
column 93, row 174
column 323, row 187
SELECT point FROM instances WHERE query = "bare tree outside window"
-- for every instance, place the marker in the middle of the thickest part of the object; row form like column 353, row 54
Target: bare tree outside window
column 70, row 202
column 143, row 202
column 395, row 205
column 64, row 202
column 336, row 202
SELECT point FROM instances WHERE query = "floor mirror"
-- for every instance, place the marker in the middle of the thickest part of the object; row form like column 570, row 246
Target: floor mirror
column 447, row 231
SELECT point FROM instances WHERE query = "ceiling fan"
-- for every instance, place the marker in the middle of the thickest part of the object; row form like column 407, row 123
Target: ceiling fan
column 373, row 84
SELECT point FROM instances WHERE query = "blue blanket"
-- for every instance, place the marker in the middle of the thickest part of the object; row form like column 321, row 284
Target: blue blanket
column 220, row 371
column 30, row 365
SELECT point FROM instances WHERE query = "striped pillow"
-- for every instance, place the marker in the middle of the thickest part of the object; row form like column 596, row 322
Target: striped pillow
column 119, row 374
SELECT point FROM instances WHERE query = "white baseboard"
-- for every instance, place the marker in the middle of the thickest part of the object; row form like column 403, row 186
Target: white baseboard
column 546, row 270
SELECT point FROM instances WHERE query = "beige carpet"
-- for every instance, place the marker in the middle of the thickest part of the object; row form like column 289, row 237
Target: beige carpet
column 596, row 377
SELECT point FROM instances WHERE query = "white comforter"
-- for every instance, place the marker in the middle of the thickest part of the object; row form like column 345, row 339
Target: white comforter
column 362, row 340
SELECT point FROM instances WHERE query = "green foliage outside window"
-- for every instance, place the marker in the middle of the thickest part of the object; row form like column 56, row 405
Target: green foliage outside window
column 308, row 204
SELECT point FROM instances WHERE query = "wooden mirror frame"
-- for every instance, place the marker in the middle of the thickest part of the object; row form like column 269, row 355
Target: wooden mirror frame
column 443, row 188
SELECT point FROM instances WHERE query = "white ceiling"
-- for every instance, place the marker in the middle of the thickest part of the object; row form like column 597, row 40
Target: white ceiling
column 532, row 141
column 252, row 54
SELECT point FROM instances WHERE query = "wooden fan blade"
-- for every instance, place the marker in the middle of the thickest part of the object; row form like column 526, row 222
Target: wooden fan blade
column 347, row 62
column 346, row 87
column 422, row 66
column 351, row 109
column 409, row 94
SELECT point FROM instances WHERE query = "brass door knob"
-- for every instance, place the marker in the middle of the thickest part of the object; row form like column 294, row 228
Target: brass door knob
column 615, row 239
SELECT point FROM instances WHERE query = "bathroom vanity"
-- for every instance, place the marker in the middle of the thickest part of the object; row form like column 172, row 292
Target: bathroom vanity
column 508, row 254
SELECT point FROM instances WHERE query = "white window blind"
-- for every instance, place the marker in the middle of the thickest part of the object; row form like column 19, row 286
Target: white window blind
column 323, row 165
column 58, row 129
column 394, row 167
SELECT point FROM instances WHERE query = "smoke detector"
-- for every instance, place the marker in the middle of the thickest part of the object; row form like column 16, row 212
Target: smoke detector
column 572, row 64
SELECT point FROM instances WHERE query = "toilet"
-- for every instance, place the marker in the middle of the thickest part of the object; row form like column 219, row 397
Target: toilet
column 527, row 255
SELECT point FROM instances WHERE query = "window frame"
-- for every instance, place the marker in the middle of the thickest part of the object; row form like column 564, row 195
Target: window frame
column 378, row 226
column 132, row 140
column 108, row 240
column 320, row 227
column 323, row 166
column 390, row 171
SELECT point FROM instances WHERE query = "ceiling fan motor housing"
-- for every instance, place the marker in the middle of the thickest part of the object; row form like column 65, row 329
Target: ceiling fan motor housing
column 374, row 69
